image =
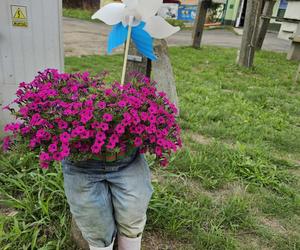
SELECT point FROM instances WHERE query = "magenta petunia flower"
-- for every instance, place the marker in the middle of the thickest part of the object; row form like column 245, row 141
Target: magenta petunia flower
column 101, row 105
column 103, row 126
column 44, row 156
column 138, row 141
column 107, row 117
column 65, row 137
column 120, row 129
column 122, row 104
column 52, row 148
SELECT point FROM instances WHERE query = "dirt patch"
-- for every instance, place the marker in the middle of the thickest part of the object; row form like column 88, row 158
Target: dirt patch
column 158, row 241
column 195, row 187
column 273, row 224
column 250, row 242
column 198, row 138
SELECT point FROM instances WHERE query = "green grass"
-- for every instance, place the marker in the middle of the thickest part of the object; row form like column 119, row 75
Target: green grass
column 79, row 14
column 234, row 185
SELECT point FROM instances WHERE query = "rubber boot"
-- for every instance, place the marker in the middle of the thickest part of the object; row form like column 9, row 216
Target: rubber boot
column 125, row 243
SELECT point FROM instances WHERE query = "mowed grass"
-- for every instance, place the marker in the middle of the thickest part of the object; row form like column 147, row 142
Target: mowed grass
column 234, row 185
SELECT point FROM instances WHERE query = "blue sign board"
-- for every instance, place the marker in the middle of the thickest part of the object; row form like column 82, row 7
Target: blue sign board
column 187, row 12
column 283, row 4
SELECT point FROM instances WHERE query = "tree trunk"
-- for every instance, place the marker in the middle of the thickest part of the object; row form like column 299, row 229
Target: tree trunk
column 264, row 22
column 247, row 51
column 199, row 22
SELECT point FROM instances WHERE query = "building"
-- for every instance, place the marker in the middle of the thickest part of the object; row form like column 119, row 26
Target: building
column 236, row 9
column 292, row 14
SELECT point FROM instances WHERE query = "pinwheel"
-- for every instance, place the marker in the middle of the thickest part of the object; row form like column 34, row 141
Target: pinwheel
column 135, row 19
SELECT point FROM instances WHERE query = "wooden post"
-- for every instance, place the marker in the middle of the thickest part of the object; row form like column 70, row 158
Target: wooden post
column 203, row 5
column 298, row 75
column 264, row 22
column 247, row 51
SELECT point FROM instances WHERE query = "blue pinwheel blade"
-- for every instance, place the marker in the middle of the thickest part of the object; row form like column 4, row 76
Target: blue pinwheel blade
column 117, row 37
column 143, row 41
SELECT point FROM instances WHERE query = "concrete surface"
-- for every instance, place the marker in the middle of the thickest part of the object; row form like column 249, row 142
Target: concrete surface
column 90, row 38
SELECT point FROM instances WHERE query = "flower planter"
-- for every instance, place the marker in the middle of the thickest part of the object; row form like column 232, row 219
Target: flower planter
column 82, row 117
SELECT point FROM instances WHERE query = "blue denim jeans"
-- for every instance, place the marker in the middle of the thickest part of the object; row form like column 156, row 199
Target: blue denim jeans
column 108, row 198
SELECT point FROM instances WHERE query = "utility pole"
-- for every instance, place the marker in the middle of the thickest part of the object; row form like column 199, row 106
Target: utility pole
column 264, row 22
column 247, row 51
column 203, row 5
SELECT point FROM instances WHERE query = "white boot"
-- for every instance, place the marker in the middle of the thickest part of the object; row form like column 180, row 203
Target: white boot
column 125, row 243
column 110, row 247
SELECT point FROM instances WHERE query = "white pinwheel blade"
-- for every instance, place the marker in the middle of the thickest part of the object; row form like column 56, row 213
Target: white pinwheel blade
column 111, row 14
column 159, row 28
column 130, row 3
column 148, row 8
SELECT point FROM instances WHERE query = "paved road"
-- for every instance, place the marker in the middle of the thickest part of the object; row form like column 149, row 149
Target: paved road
column 89, row 38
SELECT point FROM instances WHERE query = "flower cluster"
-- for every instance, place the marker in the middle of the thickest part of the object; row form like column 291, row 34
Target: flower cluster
column 79, row 116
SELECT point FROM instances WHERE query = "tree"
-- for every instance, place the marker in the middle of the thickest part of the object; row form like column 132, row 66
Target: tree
column 264, row 22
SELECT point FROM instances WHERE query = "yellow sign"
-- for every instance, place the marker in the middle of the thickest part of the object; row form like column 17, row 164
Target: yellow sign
column 19, row 16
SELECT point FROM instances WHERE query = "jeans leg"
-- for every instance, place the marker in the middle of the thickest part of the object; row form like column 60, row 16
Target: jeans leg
column 90, row 203
column 131, row 192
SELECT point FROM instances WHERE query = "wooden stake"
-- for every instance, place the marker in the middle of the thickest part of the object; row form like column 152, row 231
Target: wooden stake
column 264, row 22
column 298, row 75
column 126, row 50
column 247, row 51
column 199, row 22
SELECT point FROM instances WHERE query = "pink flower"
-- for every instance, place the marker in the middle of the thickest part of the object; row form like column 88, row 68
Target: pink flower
column 44, row 164
column 6, row 143
column 96, row 148
column 101, row 105
column 120, row 129
column 103, row 126
column 144, row 116
column 65, row 137
column 57, row 156
column 114, row 138
column 62, row 124
column 44, row 156
column 138, row 141
column 158, row 151
column 52, row 148
column 122, row 104
column 107, row 117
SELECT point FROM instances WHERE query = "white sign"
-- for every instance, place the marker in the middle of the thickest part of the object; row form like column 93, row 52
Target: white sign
column 169, row 11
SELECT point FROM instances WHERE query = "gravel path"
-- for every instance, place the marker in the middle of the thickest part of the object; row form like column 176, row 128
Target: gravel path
column 89, row 38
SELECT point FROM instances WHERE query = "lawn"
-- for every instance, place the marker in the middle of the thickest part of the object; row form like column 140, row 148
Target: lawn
column 234, row 185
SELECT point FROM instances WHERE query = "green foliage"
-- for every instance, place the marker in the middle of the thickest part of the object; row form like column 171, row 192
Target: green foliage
column 79, row 14
column 36, row 201
column 175, row 22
